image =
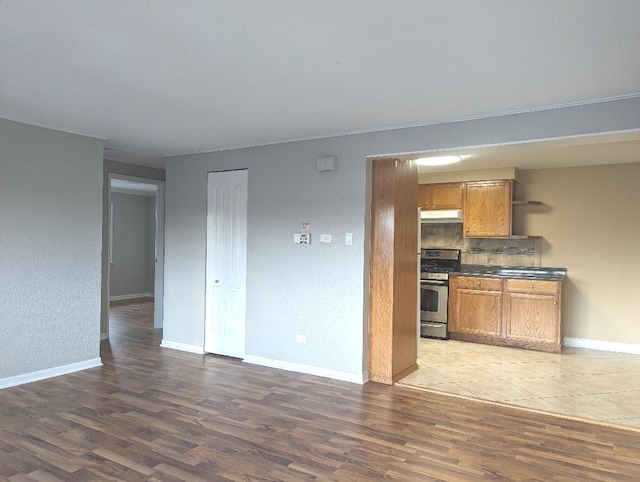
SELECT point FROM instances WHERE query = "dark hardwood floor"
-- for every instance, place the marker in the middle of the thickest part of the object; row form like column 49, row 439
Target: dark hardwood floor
column 152, row 413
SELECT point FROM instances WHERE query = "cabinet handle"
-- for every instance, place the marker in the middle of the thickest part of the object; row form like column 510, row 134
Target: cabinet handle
column 531, row 286
column 555, row 302
column 466, row 230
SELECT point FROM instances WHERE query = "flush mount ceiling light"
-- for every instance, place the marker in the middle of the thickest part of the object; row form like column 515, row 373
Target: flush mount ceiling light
column 438, row 161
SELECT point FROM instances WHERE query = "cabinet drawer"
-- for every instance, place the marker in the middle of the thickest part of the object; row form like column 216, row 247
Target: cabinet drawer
column 533, row 286
column 473, row 283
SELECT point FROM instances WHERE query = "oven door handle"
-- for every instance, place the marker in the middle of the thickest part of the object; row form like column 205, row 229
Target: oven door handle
column 433, row 282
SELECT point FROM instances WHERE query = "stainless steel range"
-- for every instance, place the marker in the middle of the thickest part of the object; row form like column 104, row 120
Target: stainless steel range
column 435, row 266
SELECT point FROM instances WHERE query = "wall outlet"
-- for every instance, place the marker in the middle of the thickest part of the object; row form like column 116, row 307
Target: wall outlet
column 325, row 238
column 301, row 238
column 301, row 339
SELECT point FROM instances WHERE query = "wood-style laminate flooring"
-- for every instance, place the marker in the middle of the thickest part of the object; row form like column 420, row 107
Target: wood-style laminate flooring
column 152, row 413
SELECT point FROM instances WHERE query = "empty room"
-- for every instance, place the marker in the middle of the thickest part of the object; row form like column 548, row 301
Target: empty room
column 319, row 240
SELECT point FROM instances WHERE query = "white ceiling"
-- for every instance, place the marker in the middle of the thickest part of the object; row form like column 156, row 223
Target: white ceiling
column 166, row 77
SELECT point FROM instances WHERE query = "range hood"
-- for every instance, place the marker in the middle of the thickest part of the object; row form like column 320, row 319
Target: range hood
column 441, row 216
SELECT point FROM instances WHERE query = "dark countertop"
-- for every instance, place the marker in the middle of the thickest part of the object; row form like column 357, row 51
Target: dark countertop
column 513, row 272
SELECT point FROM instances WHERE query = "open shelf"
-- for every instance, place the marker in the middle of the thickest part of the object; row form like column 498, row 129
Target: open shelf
column 526, row 203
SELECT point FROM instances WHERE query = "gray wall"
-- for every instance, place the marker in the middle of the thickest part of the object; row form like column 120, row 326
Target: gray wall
column 291, row 289
column 50, row 215
column 132, row 269
column 320, row 290
column 115, row 167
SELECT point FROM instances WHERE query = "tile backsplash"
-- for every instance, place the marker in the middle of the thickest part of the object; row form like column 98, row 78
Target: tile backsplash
column 494, row 252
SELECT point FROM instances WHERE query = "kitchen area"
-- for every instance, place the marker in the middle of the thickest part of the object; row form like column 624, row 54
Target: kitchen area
column 490, row 311
column 475, row 284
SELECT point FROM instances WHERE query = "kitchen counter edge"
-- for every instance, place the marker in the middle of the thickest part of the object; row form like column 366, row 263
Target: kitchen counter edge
column 512, row 272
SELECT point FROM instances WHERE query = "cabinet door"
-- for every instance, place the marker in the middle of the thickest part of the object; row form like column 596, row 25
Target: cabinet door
column 440, row 196
column 532, row 317
column 481, row 312
column 446, row 196
column 423, row 196
column 476, row 312
column 487, row 209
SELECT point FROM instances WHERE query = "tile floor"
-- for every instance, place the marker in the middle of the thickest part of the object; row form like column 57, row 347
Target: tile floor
column 590, row 384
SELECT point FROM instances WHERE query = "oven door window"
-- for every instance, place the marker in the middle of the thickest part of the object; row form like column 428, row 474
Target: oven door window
column 433, row 303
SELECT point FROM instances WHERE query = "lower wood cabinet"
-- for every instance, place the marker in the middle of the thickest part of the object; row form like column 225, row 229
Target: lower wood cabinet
column 510, row 312
column 532, row 312
column 476, row 306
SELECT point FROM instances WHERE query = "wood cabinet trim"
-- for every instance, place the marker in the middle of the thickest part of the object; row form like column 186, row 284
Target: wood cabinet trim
column 393, row 297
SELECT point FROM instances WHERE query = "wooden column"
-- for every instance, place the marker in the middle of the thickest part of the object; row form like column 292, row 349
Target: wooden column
column 393, row 298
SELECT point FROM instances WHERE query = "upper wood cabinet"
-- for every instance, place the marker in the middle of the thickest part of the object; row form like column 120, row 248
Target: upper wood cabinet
column 487, row 209
column 440, row 196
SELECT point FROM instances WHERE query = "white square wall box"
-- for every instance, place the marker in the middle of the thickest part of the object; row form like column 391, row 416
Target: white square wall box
column 326, row 164
column 325, row 238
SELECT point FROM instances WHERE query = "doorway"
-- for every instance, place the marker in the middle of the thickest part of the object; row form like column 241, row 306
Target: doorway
column 146, row 241
column 226, row 263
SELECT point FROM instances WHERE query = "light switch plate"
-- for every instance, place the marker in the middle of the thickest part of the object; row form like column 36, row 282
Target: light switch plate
column 348, row 239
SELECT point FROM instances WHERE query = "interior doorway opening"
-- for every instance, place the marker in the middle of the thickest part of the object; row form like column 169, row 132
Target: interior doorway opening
column 135, row 223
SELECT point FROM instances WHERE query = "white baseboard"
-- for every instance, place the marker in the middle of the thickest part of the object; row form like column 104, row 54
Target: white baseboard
column 182, row 347
column 49, row 373
column 131, row 297
column 104, row 336
column 307, row 369
column 611, row 346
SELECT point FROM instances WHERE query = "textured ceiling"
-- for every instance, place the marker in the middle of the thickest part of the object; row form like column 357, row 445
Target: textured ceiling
column 162, row 77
